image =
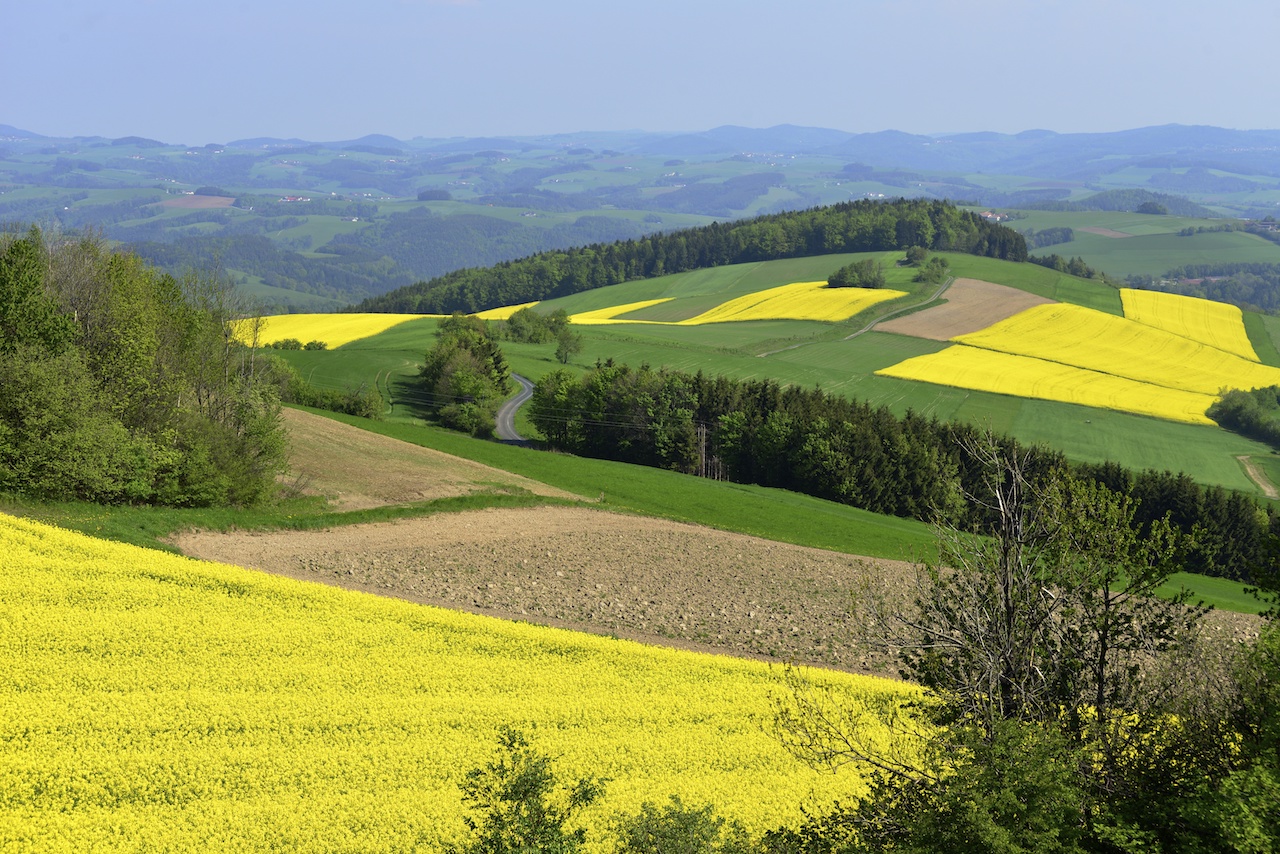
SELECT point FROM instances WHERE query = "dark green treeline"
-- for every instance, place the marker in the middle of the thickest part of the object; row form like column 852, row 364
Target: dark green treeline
column 862, row 226
column 805, row 440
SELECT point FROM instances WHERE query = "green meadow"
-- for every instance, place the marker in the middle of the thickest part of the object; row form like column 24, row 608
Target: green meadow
column 1154, row 245
column 824, row 355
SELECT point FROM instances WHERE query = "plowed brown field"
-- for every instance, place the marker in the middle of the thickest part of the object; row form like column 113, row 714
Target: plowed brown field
column 971, row 305
column 575, row 567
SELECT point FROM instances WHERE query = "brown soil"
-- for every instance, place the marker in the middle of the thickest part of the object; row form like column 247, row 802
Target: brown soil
column 1105, row 232
column 574, row 567
column 587, row 569
column 356, row 469
column 971, row 305
column 199, row 202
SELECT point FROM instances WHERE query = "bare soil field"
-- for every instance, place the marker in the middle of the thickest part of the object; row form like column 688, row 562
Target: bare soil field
column 971, row 305
column 199, row 202
column 587, row 569
column 581, row 568
column 356, row 469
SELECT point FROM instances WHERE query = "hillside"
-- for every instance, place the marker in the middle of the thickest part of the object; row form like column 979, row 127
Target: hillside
column 156, row 701
column 315, row 225
column 690, row 586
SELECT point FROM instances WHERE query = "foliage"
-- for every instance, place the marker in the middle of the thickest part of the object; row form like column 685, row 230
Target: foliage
column 1253, row 286
column 125, row 386
column 568, row 345
column 847, row 227
column 1064, row 716
column 466, row 375
column 518, row 807
column 934, row 270
column 860, row 274
column 532, row 327
column 1074, row 266
column 362, row 400
column 1254, row 413
column 916, row 255
column 1048, row 236
column 846, row 451
column 677, row 829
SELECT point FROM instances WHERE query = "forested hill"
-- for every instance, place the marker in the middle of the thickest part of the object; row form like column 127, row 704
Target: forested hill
column 861, row 226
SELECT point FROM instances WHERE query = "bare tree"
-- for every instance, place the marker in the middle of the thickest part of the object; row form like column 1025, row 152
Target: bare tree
column 1047, row 616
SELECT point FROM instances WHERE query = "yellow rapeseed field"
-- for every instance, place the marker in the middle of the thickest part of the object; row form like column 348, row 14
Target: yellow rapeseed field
column 503, row 312
column 606, row 316
column 1214, row 323
column 151, row 702
column 798, row 301
column 1084, row 338
column 1022, row 376
column 333, row 329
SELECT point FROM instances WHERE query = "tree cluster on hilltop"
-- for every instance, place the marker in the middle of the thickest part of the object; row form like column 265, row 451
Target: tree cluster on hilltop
column 805, row 440
column 122, row 385
column 1134, row 200
column 862, row 226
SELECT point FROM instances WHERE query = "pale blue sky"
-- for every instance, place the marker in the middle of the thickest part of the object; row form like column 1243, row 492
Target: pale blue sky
column 199, row 72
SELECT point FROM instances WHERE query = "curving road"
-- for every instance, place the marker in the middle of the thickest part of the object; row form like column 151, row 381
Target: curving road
column 506, row 428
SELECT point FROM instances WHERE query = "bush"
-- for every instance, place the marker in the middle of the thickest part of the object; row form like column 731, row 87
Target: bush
column 859, row 274
column 519, row 810
column 677, row 829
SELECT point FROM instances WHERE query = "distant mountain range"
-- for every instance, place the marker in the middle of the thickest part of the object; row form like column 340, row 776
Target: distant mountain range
column 306, row 224
column 1037, row 153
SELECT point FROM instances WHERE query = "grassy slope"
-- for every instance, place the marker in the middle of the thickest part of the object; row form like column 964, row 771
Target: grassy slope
column 771, row 513
column 1154, row 247
column 824, row 358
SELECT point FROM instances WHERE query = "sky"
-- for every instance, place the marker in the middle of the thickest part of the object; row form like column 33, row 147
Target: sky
column 327, row 70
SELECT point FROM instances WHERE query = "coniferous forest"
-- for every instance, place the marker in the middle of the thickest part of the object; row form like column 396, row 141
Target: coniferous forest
column 862, row 226
column 805, row 440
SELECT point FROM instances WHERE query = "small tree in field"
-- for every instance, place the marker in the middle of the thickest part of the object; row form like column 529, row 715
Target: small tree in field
column 1037, row 639
column 516, row 806
column 859, row 274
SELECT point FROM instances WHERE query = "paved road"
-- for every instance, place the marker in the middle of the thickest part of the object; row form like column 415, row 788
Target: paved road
column 506, row 428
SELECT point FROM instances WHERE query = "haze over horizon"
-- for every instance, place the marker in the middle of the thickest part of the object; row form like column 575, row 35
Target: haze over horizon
column 326, row 70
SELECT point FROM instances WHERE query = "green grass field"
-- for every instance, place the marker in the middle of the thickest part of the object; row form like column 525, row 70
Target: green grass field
column 808, row 354
column 1154, row 247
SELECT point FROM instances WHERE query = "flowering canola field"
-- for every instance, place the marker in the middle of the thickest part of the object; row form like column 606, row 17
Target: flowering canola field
column 151, row 702
column 797, row 301
column 333, row 329
column 1217, row 324
column 1020, row 376
column 1077, row 355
